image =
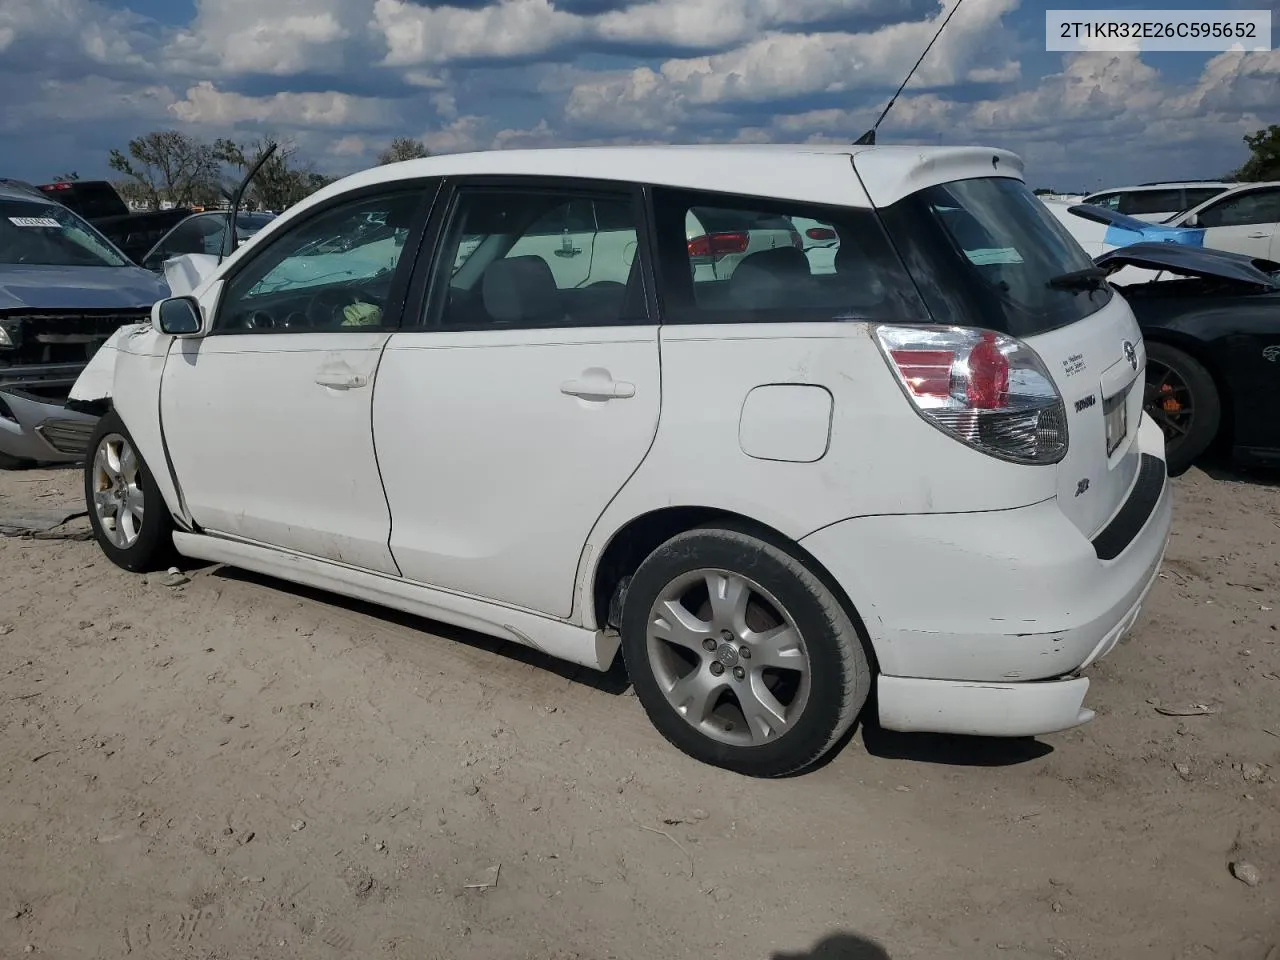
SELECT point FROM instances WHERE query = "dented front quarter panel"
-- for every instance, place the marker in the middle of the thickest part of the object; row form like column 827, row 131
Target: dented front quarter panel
column 125, row 374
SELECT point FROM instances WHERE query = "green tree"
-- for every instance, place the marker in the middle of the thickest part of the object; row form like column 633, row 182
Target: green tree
column 1264, row 155
column 66, row 177
column 281, row 182
column 403, row 148
column 167, row 165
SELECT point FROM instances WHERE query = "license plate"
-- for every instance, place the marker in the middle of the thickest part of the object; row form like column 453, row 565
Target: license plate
column 1116, row 417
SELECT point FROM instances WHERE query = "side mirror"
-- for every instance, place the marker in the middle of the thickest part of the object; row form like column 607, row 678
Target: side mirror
column 1191, row 221
column 177, row 317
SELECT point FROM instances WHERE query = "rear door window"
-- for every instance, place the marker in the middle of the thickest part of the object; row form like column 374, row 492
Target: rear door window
column 726, row 258
column 982, row 253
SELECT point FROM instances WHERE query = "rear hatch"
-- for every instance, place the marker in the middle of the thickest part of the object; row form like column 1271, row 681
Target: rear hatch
column 986, row 253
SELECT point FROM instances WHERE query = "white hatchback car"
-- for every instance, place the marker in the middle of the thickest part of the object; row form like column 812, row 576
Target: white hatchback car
column 926, row 470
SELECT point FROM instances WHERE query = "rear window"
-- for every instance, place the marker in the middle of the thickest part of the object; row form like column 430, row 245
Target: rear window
column 982, row 253
column 727, row 258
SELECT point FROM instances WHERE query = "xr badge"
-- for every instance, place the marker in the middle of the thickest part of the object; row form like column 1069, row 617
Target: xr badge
column 1131, row 354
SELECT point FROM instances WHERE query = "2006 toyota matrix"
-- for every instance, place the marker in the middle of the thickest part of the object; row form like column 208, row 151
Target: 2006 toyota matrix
column 503, row 391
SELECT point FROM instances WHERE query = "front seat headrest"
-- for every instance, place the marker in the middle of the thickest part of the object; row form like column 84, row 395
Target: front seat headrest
column 521, row 290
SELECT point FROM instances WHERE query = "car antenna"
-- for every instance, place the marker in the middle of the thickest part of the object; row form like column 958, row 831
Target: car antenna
column 232, row 240
column 868, row 139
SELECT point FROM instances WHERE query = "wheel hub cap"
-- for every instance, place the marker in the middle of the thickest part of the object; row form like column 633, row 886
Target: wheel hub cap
column 728, row 657
column 116, row 485
column 727, row 654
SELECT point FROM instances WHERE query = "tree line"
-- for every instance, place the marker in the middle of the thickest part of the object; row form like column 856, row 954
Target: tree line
column 168, row 166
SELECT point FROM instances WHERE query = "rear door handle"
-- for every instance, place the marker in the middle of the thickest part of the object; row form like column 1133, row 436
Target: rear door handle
column 1259, row 236
column 598, row 389
column 341, row 381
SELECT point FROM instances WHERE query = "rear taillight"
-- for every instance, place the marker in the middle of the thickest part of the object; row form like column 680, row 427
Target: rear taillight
column 51, row 187
column 820, row 233
column 718, row 244
column 986, row 389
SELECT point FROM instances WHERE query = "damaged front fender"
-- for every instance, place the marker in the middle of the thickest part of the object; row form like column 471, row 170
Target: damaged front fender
column 91, row 392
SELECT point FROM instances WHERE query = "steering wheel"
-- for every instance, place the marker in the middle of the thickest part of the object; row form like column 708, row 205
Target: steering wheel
column 325, row 309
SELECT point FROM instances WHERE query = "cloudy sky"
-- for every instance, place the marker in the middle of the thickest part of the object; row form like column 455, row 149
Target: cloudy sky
column 341, row 77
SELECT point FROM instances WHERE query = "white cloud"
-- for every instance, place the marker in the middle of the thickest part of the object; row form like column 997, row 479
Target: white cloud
column 206, row 104
column 418, row 34
column 511, row 28
column 71, row 30
column 280, row 37
column 350, row 147
column 775, row 66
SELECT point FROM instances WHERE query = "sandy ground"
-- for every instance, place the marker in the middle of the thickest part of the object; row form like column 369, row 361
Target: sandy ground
column 235, row 768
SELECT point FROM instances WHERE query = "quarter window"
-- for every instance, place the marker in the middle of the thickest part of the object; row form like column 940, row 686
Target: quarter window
column 741, row 259
column 539, row 258
column 333, row 271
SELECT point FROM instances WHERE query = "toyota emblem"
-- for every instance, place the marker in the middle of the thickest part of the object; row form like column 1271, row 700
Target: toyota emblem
column 1131, row 354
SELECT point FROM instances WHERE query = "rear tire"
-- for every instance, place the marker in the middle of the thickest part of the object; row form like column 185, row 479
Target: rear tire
column 1183, row 400
column 740, row 655
column 126, row 510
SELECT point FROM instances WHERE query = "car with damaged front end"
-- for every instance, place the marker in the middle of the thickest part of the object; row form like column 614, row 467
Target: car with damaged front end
column 64, row 289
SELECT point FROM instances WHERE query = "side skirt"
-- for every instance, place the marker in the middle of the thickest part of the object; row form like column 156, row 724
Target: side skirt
column 589, row 648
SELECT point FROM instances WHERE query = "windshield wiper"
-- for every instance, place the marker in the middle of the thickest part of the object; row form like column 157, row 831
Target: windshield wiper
column 1090, row 278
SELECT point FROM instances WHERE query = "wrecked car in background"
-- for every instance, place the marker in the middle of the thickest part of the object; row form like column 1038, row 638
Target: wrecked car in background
column 64, row 289
column 1211, row 323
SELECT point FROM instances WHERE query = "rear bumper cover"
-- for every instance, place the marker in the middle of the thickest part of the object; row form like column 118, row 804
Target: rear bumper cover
column 981, row 622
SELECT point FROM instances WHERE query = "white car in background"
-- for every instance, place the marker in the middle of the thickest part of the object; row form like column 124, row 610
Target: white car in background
column 1157, row 202
column 768, row 486
column 1244, row 219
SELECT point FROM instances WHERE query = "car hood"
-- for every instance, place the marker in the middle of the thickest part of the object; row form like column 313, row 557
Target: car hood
column 44, row 287
column 1123, row 230
column 1193, row 262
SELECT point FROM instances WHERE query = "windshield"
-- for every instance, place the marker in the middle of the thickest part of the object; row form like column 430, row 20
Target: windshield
column 983, row 251
column 51, row 235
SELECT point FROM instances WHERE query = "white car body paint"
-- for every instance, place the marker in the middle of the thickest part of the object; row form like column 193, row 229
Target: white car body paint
column 500, row 478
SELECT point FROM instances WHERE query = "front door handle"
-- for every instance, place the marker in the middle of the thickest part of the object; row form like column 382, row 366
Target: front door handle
column 341, row 381
column 1259, row 236
column 598, row 389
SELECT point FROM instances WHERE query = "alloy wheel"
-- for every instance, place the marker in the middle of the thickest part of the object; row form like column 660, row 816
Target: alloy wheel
column 728, row 657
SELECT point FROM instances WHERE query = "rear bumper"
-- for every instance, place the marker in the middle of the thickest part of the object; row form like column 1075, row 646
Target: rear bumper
column 982, row 621
column 38, row 426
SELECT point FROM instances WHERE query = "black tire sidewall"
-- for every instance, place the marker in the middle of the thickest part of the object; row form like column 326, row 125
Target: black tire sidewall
column 154, row 546
column 1207, row 406
column 810, row 606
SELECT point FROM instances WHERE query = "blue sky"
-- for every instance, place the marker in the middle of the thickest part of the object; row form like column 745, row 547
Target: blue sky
column 340, row 78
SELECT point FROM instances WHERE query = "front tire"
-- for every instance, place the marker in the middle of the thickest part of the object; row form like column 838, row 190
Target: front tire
column 1183, row 400
column 129, row 518
column 740, row 655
